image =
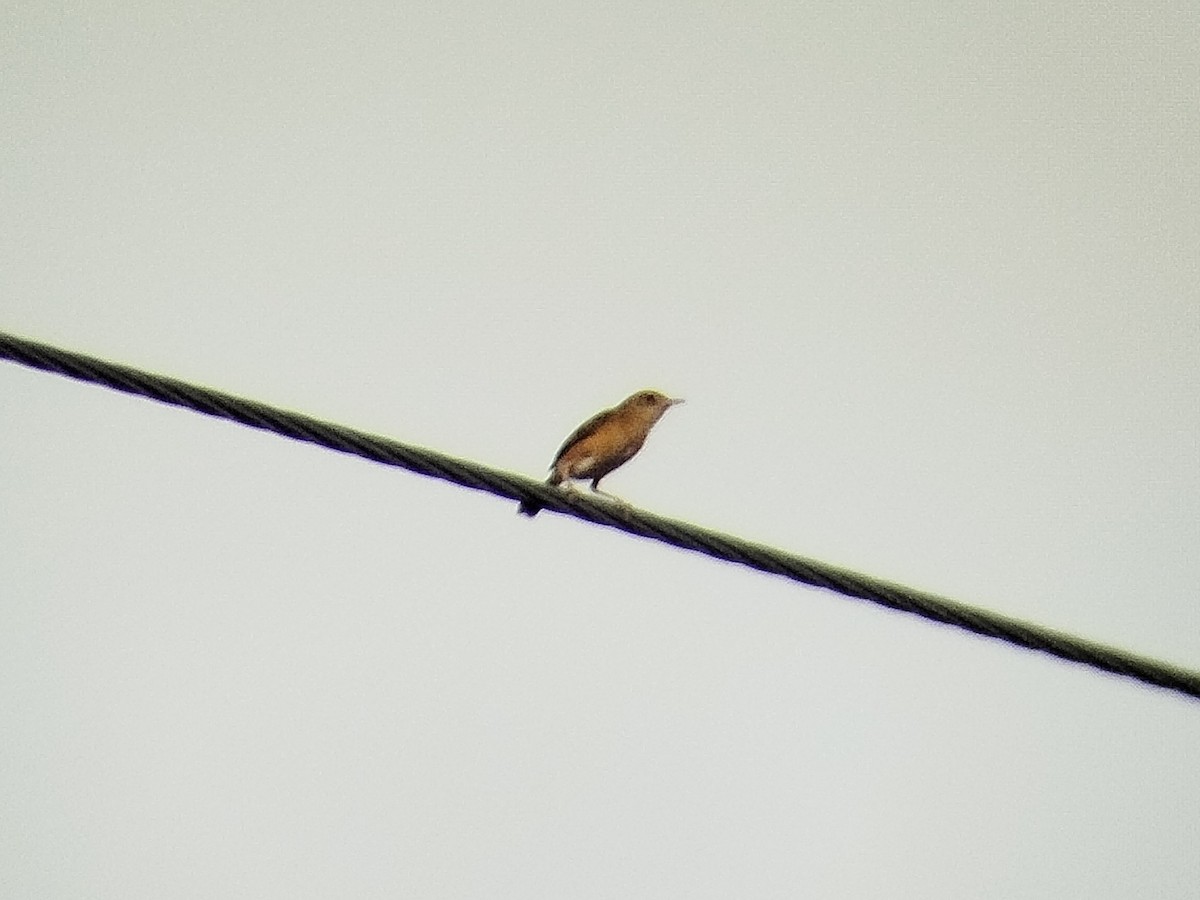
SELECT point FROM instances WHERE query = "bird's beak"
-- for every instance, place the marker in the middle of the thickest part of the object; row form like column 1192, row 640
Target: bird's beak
column 674, row 401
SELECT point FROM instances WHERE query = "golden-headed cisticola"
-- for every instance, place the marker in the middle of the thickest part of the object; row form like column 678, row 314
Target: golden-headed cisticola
column 605, row 441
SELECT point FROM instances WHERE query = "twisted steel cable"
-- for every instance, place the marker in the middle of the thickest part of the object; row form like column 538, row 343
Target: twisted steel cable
column 669, row 531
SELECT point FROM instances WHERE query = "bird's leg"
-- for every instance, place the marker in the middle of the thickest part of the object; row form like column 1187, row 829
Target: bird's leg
column 607, row 496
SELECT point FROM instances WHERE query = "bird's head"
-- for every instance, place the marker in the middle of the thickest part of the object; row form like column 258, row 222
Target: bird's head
column 650, row 404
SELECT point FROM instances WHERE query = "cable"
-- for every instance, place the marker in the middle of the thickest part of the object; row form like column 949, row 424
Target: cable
column 679, row 534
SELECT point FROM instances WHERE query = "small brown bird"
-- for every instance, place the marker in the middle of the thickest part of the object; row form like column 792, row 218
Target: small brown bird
column 605, row 441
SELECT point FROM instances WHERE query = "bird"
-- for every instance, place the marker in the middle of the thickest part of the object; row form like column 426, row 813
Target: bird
column 605, row 441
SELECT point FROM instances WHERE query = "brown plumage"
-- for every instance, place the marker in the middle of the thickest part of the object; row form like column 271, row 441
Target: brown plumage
column 605, row 441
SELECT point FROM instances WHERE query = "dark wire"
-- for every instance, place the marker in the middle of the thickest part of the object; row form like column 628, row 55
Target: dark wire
column 669, row 531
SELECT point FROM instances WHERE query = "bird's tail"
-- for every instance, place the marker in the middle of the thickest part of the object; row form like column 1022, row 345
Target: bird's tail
column 532, row 507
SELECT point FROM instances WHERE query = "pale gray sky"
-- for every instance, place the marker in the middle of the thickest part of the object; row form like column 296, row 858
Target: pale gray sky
column 927, row 277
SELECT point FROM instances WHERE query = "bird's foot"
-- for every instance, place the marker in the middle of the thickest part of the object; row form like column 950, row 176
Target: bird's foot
column 613, row 498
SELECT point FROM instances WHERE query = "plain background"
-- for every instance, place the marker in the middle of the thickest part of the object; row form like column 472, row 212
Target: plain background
column 927, row 275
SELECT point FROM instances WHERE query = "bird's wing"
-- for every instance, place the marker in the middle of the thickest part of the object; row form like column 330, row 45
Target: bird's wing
column 586, row 430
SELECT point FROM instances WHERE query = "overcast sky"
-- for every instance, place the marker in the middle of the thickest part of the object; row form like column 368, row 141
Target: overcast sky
column 927, row 275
